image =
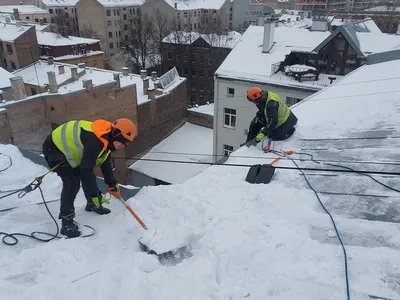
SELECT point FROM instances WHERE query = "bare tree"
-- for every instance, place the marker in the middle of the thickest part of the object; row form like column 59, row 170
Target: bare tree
column 89, row 32
column 141, row 50
column 162, row 28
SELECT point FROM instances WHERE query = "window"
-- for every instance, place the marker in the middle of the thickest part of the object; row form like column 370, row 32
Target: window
column 13, row 67
column 111, row 45
column 169, row 55
column 9, row 49
column 229, row 118
column 125, row 17
column 50, row 10
column 230, row 92
column 291, row 101
column 110, row 34
column 108, row 23
column 33, row 91
column 228, row 150
column 108, row 12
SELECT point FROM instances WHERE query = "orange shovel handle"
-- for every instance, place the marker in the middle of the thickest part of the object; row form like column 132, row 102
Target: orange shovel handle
column 133, row 213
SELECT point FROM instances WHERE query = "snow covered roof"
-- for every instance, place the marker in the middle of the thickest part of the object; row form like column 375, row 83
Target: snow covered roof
column 207, row 109
column 5, row 78
column 250, row 241
column 224, row 41
column 179, row 146
column 23, row 9
column 64, row 3
column 4, row 17
column 36, row 74
column 196, row 4
column 383, row 8
column 9, row 32
column 257, row 64
column 56, row 39
column 365, row 38
column 122, row 3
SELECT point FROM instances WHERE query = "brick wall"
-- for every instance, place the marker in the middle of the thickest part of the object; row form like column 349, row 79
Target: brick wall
column 30, row 121
column 26, row 47
column 200, row 119
column 156, row 120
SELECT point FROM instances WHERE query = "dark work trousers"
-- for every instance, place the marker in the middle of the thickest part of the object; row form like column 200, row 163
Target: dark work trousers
column 69, row 177
column 280, row 133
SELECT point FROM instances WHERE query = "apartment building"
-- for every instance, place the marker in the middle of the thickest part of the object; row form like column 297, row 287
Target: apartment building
column 62, row 13
column 292, row 62
column 29, row 13
column 54, row 93
column 199, row 15
column 108, row 20
column 245, row 13
column 196, row 57
column 10, row 18
column 70, row 49
column 18, row 46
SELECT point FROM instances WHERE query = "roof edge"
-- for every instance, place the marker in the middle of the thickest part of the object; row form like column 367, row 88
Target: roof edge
column 383, row 57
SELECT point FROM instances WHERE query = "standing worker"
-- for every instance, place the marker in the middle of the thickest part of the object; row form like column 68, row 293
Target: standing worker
column 274, row 118
column 79, row 147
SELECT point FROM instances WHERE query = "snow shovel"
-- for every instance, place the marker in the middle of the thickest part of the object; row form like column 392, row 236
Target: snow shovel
column 163, row 256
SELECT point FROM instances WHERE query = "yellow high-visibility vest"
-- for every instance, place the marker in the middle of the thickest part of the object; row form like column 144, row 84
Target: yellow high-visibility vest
column 67, row 139
column 283, row 111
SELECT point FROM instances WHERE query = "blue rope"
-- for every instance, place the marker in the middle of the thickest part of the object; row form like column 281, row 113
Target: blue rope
column 334, row 225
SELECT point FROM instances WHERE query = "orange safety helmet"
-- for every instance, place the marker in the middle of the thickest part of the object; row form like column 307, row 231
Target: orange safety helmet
column 254, row 94
column 126, row 128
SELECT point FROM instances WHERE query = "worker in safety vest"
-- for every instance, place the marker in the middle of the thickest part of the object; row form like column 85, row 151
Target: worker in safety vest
column 84, row 145
column 274, row 118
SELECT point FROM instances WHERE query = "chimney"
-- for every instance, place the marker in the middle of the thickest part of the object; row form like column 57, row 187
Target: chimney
column 145, row 85
column 41, row 21
column 16, row 14
column 260, row 21
column 82, row 65
column 151, row 94
column 319, row 25
column 154, row 75
column 18, row 88
column 61, row 70
column 269, row 30
column 143, row 74
column 125, row 71
column 176, row 5
column 52, row 82
column 117, row 79
column 50, row 60
column 87, row 84
column 74, row 73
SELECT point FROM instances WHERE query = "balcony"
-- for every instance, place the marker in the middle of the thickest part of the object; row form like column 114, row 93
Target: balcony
column 299, row 73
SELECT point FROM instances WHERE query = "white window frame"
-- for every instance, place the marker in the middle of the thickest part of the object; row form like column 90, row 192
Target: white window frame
column 230, row 94
column 228, row 149
column 231, row 113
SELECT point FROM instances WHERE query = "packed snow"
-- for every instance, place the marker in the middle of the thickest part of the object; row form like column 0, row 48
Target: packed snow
column 249, row 241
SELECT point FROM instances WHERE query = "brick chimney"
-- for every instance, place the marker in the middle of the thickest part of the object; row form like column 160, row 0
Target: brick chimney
column 52, row 82
column 125, row 71
column 16, row 14
column 74, row 73
column 143, row 74
column 151, row 94
column 145, row 85
column 18, row 88
column 87, row 84
column 154, row 75
column 61, row 69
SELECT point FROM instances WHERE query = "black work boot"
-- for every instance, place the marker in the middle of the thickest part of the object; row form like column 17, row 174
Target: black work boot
column 69, row 228
column 100, row 210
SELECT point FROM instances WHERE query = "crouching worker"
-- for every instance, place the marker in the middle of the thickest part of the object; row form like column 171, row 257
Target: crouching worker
column 274, row 118
column 79, row 147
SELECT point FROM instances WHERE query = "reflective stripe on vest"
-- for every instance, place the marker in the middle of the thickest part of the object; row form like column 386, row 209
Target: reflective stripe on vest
column 283, row 110
column 67, row 139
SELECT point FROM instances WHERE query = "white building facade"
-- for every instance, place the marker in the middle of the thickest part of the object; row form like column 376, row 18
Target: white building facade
column 243, row 13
